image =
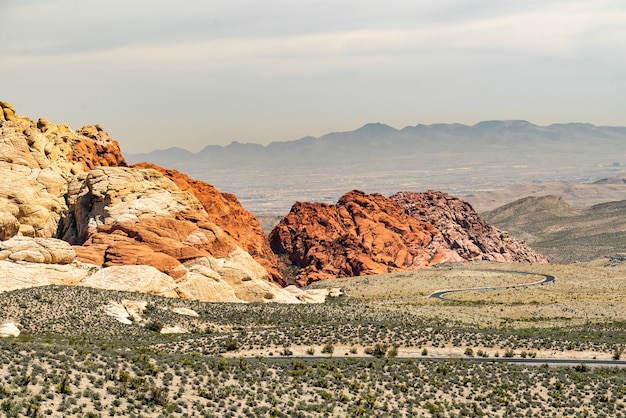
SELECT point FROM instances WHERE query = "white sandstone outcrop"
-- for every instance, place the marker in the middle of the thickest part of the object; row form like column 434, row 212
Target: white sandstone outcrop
column 132, row 279
column 9, row 329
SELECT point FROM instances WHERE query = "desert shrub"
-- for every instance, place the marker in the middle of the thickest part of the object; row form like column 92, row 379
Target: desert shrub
column 64, row 386
column 393, row 351
column 157, row 395
column 582, row 367
column 378, row 350
column 231, row 344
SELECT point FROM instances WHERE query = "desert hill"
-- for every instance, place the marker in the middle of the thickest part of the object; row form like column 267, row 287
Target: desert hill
column 579, row 195
column 553, row 227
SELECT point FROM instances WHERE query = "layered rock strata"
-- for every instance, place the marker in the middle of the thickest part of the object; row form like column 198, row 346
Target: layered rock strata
column 224, row 210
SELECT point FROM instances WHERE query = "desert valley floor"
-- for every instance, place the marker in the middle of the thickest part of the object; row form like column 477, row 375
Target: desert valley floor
column 354, row 355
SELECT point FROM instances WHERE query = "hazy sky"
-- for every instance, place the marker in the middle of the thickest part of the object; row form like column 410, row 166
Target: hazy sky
column 189, row 73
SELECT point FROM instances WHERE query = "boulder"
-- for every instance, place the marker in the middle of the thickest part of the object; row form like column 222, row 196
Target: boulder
column 186, row 312
column 234, row 278
column 202, row 283
column 118, row 312
column 21, row 275
column 132, row 279
column 9, row 329
column 313, row 295
column 93, row 148
column 7, row 112
column 37, row 250
column 126, row 312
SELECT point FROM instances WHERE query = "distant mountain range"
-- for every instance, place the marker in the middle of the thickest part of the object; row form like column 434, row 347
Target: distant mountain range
column 375, row 141
column 455, row 158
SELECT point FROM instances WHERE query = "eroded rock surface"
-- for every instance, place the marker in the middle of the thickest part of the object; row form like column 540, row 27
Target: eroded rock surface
column 144, row 279
column 465, row 231
column 370, row 234
column 37, row 250
column 20, row 275
column 225, row 210
column 362, row 234
column 37, row 160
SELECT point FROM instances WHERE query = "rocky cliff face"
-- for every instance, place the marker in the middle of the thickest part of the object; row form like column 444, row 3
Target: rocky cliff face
column 74, row 185
column 465, row 231
column 368, row 234
column 37, row 160
column 224, row 210
column 362, row 234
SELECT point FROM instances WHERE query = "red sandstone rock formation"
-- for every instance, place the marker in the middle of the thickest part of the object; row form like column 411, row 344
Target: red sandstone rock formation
column 128, row 216
column 160, row 241
column 225, row 210
column 362, row 234
column 93, row 148
column 369, row 234
column 464, row 230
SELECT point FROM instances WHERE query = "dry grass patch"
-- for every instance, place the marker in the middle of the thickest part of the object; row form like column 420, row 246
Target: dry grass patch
column 581, row 294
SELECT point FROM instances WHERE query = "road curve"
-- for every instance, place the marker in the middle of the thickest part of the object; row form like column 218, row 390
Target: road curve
column 547, row 278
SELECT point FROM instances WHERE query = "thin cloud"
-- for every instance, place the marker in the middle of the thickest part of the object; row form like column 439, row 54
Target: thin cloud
column 316, row 65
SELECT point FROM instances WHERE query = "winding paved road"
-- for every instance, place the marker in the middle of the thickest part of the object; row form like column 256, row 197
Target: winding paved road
column 548, row 278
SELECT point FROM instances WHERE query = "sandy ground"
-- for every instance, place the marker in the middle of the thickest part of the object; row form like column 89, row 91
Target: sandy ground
column 413, row 352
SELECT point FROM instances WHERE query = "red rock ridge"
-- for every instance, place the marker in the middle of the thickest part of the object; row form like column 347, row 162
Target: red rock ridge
column 95, row 148
column 225, row 210
column 362, row 234
column 464, row 230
